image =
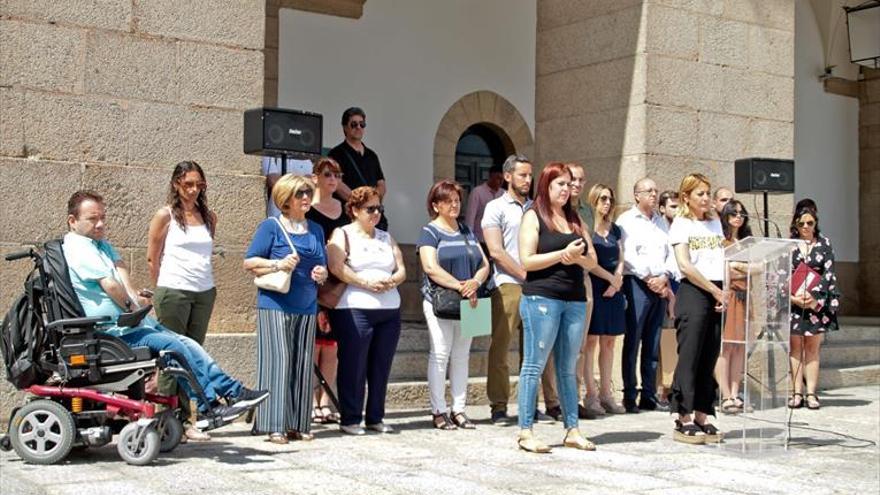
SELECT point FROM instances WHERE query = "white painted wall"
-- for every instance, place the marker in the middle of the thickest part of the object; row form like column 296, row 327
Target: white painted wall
column 405, row 62
column 826, row 141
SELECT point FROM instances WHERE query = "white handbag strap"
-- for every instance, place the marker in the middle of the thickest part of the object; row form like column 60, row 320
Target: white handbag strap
column 286, row 235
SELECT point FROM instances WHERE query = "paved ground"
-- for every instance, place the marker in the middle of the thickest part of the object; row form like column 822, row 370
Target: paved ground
column 636, row 455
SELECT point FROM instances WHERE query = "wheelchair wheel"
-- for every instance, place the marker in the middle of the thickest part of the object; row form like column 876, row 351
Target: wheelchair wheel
column 170, row 431
column 42, row 432
column 138, row 445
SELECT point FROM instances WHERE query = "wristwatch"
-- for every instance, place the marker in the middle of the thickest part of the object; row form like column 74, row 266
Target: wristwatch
column 275, row 265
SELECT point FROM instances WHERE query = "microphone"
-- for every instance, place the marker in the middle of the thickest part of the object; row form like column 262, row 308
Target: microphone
column 766, row 221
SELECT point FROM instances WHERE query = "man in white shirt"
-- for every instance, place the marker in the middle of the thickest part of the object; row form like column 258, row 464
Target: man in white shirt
column 480, row 197
column 500, row 223
column 647, row 271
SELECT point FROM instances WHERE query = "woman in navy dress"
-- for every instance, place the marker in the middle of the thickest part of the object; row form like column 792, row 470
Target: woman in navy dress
column 608, row 319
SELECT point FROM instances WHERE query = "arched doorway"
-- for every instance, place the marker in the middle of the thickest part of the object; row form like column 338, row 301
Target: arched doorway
column 478, row 149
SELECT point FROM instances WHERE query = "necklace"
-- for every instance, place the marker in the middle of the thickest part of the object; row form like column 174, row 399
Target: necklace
column 296, row 226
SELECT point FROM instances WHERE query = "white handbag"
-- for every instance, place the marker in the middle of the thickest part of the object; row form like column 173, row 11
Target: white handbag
column 277, row 281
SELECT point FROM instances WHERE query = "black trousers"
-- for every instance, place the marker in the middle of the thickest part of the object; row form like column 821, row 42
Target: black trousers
column 698, row 332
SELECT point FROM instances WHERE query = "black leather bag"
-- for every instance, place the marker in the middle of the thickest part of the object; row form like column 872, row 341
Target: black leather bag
column 446, row 303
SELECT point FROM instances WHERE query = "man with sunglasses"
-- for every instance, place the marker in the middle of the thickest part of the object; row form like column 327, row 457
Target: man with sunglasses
column 360, row 165
column 648, row 267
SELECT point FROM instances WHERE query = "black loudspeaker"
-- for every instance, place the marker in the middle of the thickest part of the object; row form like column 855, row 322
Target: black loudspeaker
column 768, row 175
column 277, row 131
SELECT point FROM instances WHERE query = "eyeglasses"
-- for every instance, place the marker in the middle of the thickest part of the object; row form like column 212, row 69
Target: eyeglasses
column 327, row 174
column 354, row 124
column 371, row 210
column 603, row 198
column 301, row 193
column 648, row 191
column 808, row 223
column 190, row 184
column 739, row 214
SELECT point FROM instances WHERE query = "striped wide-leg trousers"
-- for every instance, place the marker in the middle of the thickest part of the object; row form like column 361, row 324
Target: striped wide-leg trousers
column 285, row 349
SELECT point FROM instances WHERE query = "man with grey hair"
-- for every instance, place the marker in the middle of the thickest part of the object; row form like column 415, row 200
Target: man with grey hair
column 501, row 221
column 648, row 266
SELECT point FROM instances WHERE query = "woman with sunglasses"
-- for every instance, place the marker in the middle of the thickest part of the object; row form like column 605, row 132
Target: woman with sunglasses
column 367, row 318
column 729, row 367
column 813, row 310
column 286, row 321
column 554, row 253
column 326, row 211
column 608, row 320
column 451, row 257
column 179, row 246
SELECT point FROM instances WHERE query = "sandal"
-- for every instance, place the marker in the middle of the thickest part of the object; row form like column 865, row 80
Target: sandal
column 318, row 415
column 329, row 415
column 689, row 433
column 462, row 421
column 796, row 401
column 814, row 403
column 711, row 434
column 529, row 443
column 728, row 406
column 279, row 438
column 298, row 435
column 442, row 422
column 575, row 440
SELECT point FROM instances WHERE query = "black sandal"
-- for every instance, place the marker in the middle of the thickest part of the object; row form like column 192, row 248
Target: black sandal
column 462, row 421
column 711, row 433
column 688, row 433
column 442, row 422
column 796, row 401
column 813, row 404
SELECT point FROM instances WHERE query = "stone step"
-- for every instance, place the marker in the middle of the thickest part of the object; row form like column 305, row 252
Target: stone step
column 849, row 354
column 413, row 365
column 831, row 378
column 855, row 333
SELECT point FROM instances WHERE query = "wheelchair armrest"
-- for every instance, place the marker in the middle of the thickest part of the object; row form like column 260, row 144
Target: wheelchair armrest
column 85, row 322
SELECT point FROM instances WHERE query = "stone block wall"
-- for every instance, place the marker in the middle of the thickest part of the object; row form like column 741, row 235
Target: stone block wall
column 869, row 192
column 109, row 95
column 665, row 87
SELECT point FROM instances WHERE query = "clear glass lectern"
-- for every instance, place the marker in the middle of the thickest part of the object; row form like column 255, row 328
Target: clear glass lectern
column 755, row 336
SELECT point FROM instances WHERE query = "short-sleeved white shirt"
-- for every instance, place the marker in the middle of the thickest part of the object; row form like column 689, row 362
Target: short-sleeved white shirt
column 505, row 213
column 704, row 240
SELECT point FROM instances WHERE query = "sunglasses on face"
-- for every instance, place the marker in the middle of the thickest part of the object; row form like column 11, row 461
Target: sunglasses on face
column 371, row 210
column 327, row 174
column 189, row 184
column 355, row 124
column 808, row 223
column 738, row 214
column 603, row 198
column 302, row 193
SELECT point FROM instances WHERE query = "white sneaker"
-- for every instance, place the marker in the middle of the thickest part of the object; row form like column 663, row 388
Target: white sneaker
column 381, row 428
column 356, row 430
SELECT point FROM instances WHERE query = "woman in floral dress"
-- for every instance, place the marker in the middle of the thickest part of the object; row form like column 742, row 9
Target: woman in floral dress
column 813, row 311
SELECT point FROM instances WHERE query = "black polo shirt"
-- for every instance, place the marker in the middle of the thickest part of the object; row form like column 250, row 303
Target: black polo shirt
column 357, row 170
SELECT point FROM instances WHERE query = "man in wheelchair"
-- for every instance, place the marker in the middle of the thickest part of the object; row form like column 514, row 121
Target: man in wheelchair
column 101, row 281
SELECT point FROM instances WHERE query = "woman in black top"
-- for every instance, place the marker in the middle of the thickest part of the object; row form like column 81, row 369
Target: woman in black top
column 554, row 252
column 327, row 212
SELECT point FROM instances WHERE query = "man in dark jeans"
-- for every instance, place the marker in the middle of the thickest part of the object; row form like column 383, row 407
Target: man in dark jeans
column 360, row 165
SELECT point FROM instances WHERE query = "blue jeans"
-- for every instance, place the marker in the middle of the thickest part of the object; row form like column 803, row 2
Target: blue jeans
column 557, row 325
column 644, row 317
column 213, row 380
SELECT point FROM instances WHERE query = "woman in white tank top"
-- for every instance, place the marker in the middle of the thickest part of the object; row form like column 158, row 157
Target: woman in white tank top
column 179, row 247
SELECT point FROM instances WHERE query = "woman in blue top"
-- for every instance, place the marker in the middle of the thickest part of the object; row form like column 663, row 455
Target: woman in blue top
column 452, row 258
column 608, row 320
column 286, row 321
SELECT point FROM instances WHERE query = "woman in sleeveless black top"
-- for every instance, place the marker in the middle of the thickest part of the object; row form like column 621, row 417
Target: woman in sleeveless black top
column 327, row 174
column 554, row 253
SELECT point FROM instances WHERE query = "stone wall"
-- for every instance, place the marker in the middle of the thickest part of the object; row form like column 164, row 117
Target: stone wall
column 665, row 87
column 109, row 95
column 869, row 192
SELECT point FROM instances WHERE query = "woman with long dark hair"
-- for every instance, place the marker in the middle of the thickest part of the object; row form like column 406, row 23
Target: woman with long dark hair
column 554, row 250
column 729, row 367
column 179, row 247
column 813, row 310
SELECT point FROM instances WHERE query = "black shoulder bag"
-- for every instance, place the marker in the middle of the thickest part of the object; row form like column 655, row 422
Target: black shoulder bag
column 447, row 302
